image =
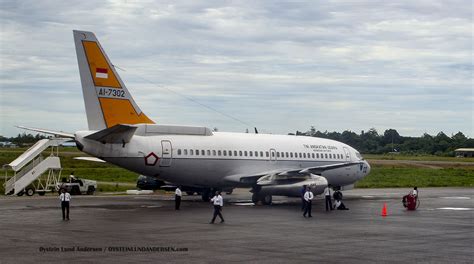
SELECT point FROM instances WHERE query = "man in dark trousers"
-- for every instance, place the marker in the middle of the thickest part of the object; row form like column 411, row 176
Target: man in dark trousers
column 65, row 198
column 303, row 202
column 218, row 202
column 177, row 198
column 308, row 197
column 327, row 193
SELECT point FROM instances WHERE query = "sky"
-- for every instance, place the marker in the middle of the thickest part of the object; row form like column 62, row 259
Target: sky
column 280, row 66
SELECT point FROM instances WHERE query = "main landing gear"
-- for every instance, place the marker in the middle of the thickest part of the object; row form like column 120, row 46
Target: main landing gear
column 258, row 196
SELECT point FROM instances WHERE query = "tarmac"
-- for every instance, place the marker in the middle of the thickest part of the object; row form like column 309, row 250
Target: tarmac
column 131, row 229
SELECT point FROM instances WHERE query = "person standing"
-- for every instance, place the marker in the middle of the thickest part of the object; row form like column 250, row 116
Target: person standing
column 65, row 198
column 327, row 193
column 303, row 202
column 177, row 198
column 308, row 197
column 218, row 202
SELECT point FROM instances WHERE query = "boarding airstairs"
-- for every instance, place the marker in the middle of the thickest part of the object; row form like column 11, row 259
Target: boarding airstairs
column 31, row 165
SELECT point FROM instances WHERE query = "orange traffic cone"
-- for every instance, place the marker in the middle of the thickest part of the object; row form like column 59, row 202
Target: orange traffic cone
column 384, row 209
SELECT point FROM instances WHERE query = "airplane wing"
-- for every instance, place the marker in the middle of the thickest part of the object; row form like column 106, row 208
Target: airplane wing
column 270, row 177
column 51, row 132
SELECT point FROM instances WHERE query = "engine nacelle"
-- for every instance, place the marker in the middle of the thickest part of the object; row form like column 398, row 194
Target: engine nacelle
column 317, row 184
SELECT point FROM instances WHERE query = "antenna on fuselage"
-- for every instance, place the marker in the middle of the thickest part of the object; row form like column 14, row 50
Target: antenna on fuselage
column 256, row 131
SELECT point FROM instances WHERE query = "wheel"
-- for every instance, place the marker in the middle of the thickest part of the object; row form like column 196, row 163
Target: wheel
column 41, row 193
column 190, row 193
column 90, row 190
column 20, row 193
column 30, row 191
column 267, row 199
column 75, row 190
column 205, row 195
column 255, row 198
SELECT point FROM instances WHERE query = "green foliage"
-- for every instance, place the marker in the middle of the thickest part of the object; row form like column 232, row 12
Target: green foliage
column 371, row 142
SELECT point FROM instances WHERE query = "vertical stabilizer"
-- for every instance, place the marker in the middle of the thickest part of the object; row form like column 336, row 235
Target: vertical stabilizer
column 106, row 98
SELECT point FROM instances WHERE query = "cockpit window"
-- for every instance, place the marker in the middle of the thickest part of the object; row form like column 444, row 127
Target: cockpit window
column 359, row 156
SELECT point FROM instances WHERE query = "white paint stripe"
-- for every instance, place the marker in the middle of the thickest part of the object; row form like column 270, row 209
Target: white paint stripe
column 245, row 204
column 455, row 208
column 101, row 75
column 457, row 197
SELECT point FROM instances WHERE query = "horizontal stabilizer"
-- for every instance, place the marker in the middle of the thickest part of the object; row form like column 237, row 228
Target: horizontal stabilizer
column 89, row 159
column 50, row 132
column 114, row 135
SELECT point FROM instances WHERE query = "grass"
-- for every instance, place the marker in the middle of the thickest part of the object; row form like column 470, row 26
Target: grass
column 415, row 157
column 389, row 176
column 381, row 176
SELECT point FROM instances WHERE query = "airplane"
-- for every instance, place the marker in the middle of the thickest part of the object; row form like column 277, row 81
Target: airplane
column 119, row 132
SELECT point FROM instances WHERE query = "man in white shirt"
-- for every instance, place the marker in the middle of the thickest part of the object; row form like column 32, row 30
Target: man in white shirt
column 65, row 198
column 177, row 198
column 327, row 193
column 218, row 202
column 308, row 198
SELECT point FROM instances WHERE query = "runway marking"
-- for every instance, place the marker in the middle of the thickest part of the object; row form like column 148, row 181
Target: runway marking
column 457, row 197
column 245, row 204
column 455, row 208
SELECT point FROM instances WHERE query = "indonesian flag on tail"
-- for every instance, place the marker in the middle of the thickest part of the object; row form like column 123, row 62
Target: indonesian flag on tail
column 101, row 73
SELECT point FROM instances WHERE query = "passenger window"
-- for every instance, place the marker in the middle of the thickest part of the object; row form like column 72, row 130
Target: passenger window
column 317, row 155
column 261, row 153
column 213, row 152
column 230, row 152
column 291, row 154
column 219, row 153
column 278, row 154
column 256, row 153
column 240, row 153
column 224, row 152
column 250, row 153
column 235, row 152
column 267, row 154
column 203, row 152
column 191, row 152
column 197, row 152
column 286, row 154
column 325, row 155
column 185, row 152
column 304, row 155
column 208, row 152
column 312, row 155
column 179, row 151
column 301, row 155
column 273, row 154
column 245, row 153
column 296, row 155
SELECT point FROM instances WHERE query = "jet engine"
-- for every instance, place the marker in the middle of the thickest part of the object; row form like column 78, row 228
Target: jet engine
column 292, row 187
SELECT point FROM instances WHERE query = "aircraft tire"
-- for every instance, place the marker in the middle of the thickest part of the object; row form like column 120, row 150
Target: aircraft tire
column 255, row 198
column 205, row 195
column 267, row 199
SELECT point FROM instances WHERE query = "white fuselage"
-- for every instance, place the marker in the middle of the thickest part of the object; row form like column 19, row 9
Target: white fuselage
column 209, row 161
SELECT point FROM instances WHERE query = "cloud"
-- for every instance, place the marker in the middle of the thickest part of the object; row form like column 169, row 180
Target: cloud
column 279, row 66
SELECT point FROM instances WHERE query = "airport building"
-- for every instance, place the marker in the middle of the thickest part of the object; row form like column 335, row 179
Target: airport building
column 464, row 152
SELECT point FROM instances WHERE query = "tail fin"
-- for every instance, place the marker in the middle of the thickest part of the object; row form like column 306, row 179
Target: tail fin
column 106, row 98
